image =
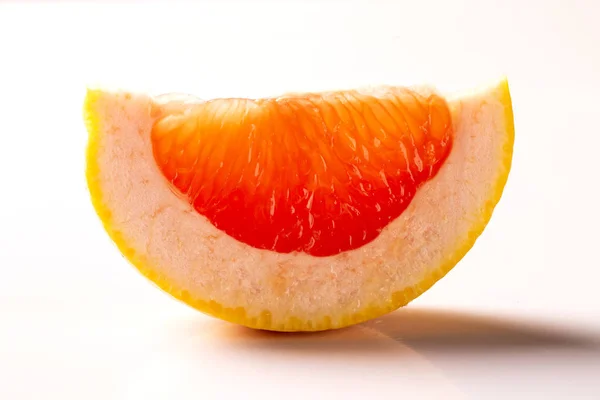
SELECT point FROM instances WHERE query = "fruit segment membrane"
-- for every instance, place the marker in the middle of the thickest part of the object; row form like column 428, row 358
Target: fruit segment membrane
column 313, row 173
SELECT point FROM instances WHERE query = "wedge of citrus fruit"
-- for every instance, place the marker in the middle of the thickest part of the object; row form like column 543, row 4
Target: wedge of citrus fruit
column 300, row 212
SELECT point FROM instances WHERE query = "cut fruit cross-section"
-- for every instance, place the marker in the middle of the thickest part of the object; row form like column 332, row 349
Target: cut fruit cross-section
column 299, row 212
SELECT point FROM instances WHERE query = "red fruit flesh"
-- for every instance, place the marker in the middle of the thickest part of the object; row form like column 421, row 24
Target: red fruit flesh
column 319, row 174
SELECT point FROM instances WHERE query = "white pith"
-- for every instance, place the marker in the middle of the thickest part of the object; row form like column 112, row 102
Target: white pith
column 193, row 256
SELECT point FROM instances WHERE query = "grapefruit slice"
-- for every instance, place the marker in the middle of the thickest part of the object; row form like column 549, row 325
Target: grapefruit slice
column 302, row 212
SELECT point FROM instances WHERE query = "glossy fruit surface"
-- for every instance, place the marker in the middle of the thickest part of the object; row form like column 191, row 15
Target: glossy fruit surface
column 316, row 173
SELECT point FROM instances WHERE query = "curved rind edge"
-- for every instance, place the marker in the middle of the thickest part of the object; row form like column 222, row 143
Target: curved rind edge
column 238, row 315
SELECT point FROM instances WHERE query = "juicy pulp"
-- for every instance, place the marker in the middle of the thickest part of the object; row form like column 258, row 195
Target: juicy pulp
column 317, row 173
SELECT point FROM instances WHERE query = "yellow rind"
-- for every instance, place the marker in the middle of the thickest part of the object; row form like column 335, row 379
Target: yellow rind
column 238, row 315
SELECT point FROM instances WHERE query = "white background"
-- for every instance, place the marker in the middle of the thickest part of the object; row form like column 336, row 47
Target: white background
column 519, row 317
